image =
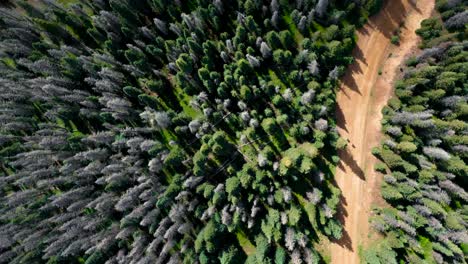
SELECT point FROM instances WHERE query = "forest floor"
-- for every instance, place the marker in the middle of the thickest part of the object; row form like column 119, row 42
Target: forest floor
column 365, row 90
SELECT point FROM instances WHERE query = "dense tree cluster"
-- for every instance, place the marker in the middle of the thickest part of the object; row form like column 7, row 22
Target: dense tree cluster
column 170, row 131
column 425, row 152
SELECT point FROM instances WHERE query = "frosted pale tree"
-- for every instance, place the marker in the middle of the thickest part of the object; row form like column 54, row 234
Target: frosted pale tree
column 459, row 20
column 302, row 24
column 265, row 50
column 436, row 153
column 296, row 257
column 290, row 239
column 307, row 97
column 321, row 7
column 288, row 95
column 321, row 124
column 313, row 67
column 254, row 62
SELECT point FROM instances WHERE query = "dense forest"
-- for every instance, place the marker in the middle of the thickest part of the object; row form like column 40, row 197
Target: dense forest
column 425, row 150
column 198, row 131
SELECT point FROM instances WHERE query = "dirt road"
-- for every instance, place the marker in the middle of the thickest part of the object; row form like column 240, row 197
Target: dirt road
column 365, row 89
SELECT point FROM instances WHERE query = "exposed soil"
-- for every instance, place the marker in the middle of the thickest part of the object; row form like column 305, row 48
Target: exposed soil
column 365, row 90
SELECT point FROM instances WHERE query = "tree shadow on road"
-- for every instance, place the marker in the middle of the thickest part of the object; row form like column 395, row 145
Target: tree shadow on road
column 392, row 19
column 345, row 240
column 347, row 158
column 340, row 118
column 359, row 56
column 415, row 6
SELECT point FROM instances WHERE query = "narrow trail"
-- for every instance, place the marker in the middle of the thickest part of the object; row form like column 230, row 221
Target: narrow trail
column 363, row 94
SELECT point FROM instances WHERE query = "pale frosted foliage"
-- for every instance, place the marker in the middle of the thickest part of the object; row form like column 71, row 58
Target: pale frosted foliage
column 160, row 25
column 242, row 105
column 254, row 123
column 296, row 257
column 167, row 247
column 453, row 101
column 423, row 210
column 457, row 21
column 288, row 95
column 315, row 196
column 407, row 228
column 310, row 257
column 250, row 223
column 461, row 148
column 434, row 223
column 194, row 125
column 161, row 120
column 146, row 145
column 254, row 62
column 307, row 97
column 245, row 116
column 389, row 179
column 290, row 239
column 434, row 142
column 254, row 211
column 225, row 56
column 436, row 153
column 321, row 124
column 408, row 118
column 275, row 19
column 459, row 236
column 262, row 161
column 265, row 50
column 226, row 103
column 175, row 29
column 430, row 52
column 438, row 257
column 229, row 45
column 184, row 228
column 274, row 6
column 454, row 189
column 284, row 218
column 313, row 67
column 394, row 130
column 437, row 194
column 287, row 195
column 302, row 240
column 302, row 23
column 175, row 259
column 378, row 226
column 390, row 143
column 208, row 111
column 321, row 7
column 219, row 188
column 335, row 73
column 328, row 212
column 226, row 218
column 155, row 165
column 219, row 5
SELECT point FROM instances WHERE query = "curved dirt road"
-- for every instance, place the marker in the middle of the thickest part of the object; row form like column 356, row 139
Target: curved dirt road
column 362, row 95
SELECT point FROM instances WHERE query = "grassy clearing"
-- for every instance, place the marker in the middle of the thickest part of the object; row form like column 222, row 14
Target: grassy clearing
column 324, row 249
column 9, row 62
column 276, row 80
column 245, row 243
column 298, row 37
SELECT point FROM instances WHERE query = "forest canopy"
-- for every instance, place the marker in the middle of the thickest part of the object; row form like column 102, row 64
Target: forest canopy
column 425, row 151
column 162, row 131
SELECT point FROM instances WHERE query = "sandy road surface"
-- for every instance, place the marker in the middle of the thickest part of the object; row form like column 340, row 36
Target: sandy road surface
column 362, row 95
